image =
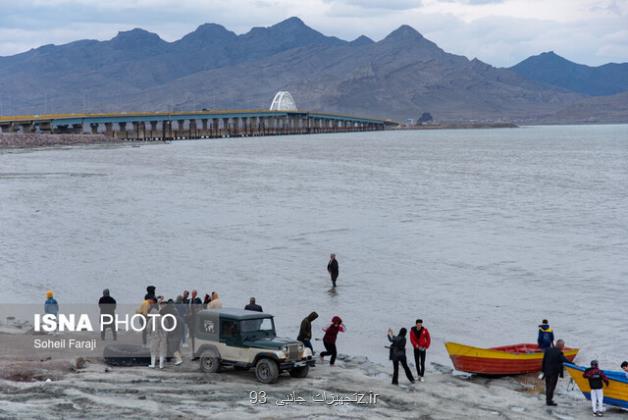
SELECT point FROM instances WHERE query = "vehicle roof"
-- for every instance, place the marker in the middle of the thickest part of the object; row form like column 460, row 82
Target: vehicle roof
column 237, row 313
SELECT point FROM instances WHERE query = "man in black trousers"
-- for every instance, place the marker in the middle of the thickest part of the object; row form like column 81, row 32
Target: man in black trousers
column 332, row 269
column 553, row 368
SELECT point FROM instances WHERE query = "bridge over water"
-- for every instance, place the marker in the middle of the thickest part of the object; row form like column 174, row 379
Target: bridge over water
column 192, row 125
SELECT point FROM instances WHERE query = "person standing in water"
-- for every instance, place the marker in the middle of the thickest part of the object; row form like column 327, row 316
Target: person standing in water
column 546, row 336
column 398, row 354
column 332, row 269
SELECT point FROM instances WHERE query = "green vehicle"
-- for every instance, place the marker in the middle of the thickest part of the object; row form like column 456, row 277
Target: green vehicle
column 246, row 339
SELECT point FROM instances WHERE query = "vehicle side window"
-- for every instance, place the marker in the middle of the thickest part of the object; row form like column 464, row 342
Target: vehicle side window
column 229, row 329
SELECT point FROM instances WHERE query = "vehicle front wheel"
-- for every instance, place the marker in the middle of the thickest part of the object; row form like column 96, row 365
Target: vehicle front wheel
column 209, row 363
column 267, row 371
column 300, row 372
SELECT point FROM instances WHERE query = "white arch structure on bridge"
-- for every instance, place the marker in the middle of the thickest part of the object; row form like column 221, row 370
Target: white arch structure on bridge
column 283, row 101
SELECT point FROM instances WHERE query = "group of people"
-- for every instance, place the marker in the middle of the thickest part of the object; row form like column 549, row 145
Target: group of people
column 186, row 305
column 420, row 340
column 329, row 338
column 552, row 369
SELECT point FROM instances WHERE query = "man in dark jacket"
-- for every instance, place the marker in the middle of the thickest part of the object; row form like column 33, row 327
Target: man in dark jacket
column 332, row 269
column 553, row 360
column 107, row 306
column 305, row 331
column 252, row 306
column 546, row 336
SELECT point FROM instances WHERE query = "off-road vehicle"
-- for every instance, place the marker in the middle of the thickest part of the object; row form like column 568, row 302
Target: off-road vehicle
column 244, row 340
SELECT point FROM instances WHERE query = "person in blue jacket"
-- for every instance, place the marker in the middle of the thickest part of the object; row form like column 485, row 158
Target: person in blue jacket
column 51, row 306
column 546, row 336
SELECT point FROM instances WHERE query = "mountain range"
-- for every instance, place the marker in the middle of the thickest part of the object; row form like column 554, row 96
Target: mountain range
column 398, row 77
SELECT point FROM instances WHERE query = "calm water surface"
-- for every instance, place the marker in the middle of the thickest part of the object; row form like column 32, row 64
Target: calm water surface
column 480, row 232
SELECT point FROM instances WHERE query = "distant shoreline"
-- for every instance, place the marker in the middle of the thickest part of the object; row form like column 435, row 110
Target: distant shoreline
column 447, row 126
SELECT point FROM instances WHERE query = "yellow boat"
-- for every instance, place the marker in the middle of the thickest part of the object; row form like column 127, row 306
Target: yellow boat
column 515, row 359
column 616, row 394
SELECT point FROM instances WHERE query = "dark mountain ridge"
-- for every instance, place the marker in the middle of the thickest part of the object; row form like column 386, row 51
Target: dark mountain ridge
column 399, row 76
column 551, row 69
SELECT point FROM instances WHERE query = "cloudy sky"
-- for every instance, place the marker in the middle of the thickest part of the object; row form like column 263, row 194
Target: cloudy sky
column 500, row 32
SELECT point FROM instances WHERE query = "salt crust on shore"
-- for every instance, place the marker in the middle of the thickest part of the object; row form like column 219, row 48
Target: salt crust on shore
column 185, row 392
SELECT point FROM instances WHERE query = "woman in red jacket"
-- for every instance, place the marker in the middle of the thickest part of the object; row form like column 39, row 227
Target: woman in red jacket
column 420, row 339
column 329, row 339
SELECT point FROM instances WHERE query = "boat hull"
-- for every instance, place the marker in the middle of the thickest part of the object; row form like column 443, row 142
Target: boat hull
column 616, row 394
column 517, row 359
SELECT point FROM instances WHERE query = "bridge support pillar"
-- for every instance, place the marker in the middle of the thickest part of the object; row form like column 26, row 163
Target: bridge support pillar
column 193, row 131
column 204, row 128
column 122, row 132
column 109, row 129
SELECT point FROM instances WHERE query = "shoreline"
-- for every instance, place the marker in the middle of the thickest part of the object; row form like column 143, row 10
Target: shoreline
column 74, row 387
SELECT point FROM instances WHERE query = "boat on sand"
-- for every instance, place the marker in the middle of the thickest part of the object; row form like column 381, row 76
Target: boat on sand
column 615, row 394
column 515, row 359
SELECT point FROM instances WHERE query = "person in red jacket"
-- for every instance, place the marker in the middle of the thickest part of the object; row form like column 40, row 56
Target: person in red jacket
column 420, row 339
column 329, row 339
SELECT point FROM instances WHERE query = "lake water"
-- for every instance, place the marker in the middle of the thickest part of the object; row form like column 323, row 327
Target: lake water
column 482, row 233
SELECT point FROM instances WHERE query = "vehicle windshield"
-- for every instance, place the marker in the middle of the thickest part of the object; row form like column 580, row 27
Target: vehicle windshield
column 256, row 328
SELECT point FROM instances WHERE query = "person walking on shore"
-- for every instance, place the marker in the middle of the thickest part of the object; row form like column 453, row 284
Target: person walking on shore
column 398, row 354
column 546, row 336
column 552, row 368
column 252, row 306
column 597, row 379
column 420, row 339
column 305, row 331
column 329, row 339
column 107, row 306
column 332, row 269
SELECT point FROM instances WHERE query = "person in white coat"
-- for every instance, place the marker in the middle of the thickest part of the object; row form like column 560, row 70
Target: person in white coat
column 215, row 303
column 158, row 337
